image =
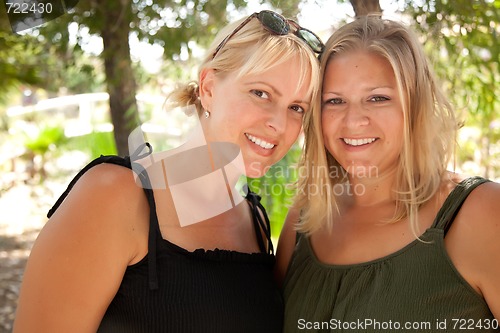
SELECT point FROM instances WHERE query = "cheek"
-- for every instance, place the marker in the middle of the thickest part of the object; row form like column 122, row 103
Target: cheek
column 395, row 138
column 397, row 128
column 327, row 126
column 294, row 129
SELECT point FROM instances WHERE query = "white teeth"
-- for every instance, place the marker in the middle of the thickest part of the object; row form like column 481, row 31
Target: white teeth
column 260, row 142
column 358, row 142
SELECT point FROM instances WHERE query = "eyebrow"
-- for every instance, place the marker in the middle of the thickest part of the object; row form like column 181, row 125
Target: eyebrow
column 381, row 87
column 326, row 93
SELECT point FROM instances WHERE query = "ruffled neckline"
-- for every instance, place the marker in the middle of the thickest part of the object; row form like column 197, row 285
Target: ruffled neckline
column 220, row 254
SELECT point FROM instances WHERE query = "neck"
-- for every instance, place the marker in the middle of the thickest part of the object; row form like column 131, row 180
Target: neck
column 371, row 191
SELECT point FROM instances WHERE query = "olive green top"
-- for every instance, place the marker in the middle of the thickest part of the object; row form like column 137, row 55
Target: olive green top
column 416, row 289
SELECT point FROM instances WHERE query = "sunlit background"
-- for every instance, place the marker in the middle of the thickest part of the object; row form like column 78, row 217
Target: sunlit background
column 55, row 92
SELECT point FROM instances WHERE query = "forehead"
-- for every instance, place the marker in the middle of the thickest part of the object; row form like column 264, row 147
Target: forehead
column 357, row 65
column 290, row 75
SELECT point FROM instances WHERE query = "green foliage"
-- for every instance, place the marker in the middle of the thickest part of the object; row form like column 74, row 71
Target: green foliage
column 78, row 73
column 18, row 62
column 47, row 138
column 40, row 143
column 94, row 144
column 33, row 60
column 462, row 37
column 277, row 188
column 288, row 8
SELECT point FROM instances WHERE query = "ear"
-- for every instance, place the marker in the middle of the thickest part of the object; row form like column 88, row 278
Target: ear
column 206, row 87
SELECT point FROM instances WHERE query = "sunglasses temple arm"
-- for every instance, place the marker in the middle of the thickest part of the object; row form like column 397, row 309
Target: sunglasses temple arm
column 235, row 31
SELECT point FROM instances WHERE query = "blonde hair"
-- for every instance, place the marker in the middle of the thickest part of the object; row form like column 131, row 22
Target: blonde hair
column 429, row 126
column 252, row 50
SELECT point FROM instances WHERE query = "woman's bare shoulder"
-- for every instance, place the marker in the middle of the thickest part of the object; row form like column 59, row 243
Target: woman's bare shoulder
column 473, row 242
column 107, row 198
column 111, row 185
column 482, row 205
column 78, row 260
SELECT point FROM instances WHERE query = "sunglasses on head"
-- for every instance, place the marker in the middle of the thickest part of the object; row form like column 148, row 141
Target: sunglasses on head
column 278, row 25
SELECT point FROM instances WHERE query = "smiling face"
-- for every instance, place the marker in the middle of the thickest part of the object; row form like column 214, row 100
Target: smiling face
column 362, row 117
column 261, row 113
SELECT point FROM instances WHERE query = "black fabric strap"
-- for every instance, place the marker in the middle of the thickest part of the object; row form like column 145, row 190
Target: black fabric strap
column 261, row 221
column 154, row 227
column 454, row 202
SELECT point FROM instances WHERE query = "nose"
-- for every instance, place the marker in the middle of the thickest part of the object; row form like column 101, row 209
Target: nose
column 277, row 120
column 355, row 117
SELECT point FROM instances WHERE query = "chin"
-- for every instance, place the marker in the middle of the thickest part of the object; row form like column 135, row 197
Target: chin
column 362, row 171
column 256, row 170
column 255, row 174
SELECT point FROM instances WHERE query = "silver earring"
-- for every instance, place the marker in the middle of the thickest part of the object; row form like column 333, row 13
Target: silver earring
column 207, row 114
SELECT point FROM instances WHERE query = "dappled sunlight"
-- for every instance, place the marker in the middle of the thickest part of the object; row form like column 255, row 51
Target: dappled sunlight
column 24, row 203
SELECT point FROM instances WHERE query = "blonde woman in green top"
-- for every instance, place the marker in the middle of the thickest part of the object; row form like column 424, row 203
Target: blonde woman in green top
column 378, row 239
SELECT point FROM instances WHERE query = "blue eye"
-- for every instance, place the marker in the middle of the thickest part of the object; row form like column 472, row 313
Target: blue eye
column 379, row 99
column 260, row 93
column 298, row 109
column 335, row 101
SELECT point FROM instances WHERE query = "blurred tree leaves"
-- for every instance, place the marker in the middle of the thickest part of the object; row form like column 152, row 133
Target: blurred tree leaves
column 18, row 61
column 177, row 25
column 462, row 38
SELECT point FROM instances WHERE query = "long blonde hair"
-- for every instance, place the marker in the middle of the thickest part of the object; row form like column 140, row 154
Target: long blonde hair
column 429, row 126
column 252, row 50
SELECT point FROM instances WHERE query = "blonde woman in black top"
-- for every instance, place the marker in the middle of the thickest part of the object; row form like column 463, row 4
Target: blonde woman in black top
column 112, row 259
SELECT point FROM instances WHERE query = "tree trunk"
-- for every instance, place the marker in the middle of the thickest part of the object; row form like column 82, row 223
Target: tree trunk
column 365, row 7
column 120, row 78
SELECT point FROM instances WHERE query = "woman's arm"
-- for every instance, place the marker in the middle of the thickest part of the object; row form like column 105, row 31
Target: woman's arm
column 79, row 258
column 488, row 240
column 473, row 243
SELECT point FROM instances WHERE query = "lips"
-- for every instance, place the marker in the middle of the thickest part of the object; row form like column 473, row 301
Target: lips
column 260, row 142
column 358, row 142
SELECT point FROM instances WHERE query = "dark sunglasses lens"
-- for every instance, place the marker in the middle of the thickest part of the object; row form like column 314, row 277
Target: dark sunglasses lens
column 274, row 22
column 311, row 39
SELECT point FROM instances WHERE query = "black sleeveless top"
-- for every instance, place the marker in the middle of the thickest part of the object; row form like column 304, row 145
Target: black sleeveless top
column 174, row 290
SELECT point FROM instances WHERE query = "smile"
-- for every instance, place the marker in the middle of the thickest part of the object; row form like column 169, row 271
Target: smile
column 260, row 142
column 358, row 142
